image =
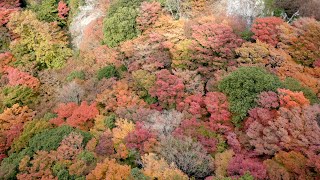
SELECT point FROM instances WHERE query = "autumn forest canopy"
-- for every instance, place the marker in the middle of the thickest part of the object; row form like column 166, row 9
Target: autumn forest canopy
column 160, row 89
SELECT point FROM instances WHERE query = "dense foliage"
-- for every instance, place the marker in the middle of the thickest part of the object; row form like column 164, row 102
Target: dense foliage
column 159, row 89
column 120, row 23
column 44, row 45
column 242, row 87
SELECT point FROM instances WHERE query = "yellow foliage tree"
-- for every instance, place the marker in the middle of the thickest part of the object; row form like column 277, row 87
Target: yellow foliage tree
column 99, row 126
column 261, row 53
column 111, row 170
column 221, row 163
column 158, row 168
column 40, row 42
column 122, row 129
column 181, row 54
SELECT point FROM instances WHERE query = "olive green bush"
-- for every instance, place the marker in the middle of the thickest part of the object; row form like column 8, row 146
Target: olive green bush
column 121, row 26
column 107, row 72
column 242, row 87
column 76, row 75
column 44, row 44
column 21, row 95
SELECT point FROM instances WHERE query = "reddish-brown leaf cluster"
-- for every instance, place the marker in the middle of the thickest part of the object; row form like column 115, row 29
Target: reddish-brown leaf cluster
column 11, row 125
column 168, row 88
column 75, row 116
column 213, row 46
column 148, row 52
column 17, row 77
column 240, row 165
column 265, row 29
column 63, row 9
column 148, row 14
column 141, row 139
column 301, row 40
column 6, row 8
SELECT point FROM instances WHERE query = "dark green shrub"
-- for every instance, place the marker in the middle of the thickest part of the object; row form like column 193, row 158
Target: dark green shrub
column 47, row 10
column 9, row 166
column 294, row 85
column 122, row 70
column 50, row 139
column 120, row 23
column 120, row 26
column 46, row 140
column 110, row 121
column 60, row 170
column 149, row 99
column 132, row 159
column 246, row 176
column 246, row 35
column 87, row 156
column 21, row 95
column 30, row 129
column 76, row 75
column 4, row 39
column 118, row 4
column 107, row 72
column 242, row 87
column 49, row 116
column 138, row 175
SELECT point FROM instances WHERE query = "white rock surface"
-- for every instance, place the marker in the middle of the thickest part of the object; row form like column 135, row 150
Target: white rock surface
column 87, row 13
column 248, row 9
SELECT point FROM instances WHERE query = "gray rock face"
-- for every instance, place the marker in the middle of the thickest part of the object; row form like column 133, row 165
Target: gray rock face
column 87, row 13
column 248, row 9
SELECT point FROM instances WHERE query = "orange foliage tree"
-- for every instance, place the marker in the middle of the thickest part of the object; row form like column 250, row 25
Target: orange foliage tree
column 307, row 76
column 11, row 125
column 14, row 116
column 289, row 99
column 76, row 116
column 40, row 166
column 5, row 59
column 119, row 96
column 289, row 165
column 301, row 40
column 122, row 129
column 109, row 169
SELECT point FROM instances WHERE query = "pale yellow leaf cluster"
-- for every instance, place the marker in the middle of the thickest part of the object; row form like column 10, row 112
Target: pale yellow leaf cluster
column 158, row 168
